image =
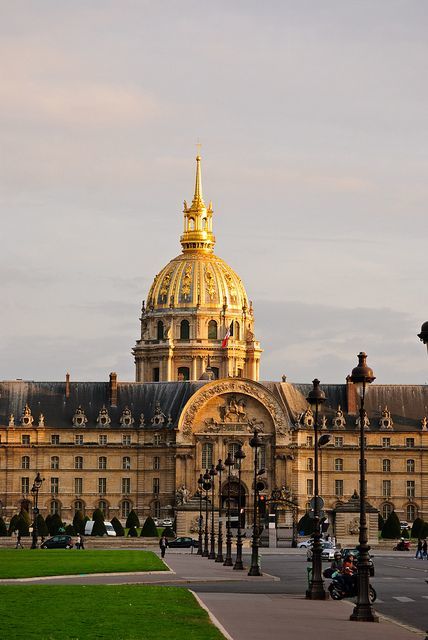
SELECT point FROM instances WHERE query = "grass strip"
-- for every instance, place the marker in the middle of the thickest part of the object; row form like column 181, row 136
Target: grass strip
column 113, row 612
column 29, row 563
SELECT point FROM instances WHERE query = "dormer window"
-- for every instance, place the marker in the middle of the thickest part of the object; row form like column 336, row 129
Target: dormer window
column 103, row 419
column 79, row 418
column 27, row 419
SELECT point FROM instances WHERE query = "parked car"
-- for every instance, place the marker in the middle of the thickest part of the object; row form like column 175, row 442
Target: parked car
column 404, row 524
column 108, row 525
column 305, row 544
column 345, row 552
column 58, row 542
column 167, row 522
column 183, row 542
column 328, row 551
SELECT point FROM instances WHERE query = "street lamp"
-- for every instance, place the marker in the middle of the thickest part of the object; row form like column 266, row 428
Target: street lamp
column 423, row 335
column 213, row 473
column 228, row 562
column 238, row 566
column 200, row 519
column 362, row 376
column 316, row 591
column 35, row 491
column 255, row 443
column 219, row 558
column 206, row 486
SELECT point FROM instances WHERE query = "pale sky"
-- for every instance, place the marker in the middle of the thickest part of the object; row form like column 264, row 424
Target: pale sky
column 313, row 122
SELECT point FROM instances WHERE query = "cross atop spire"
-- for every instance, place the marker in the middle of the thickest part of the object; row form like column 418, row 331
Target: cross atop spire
column 198, row 233
column 198, row 200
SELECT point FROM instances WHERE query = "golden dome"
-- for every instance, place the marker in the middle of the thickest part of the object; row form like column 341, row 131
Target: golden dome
column 197, row 279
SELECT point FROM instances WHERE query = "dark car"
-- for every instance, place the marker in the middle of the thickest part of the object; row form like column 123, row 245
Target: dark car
column 183, row 543
column 355, row 553
column 58, row 542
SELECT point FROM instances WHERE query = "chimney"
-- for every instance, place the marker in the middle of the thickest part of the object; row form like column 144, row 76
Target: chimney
column 113, row 389
column 67, row 385
column 351, row 397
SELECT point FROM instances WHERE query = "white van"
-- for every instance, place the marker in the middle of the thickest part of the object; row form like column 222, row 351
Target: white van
column 108, row 525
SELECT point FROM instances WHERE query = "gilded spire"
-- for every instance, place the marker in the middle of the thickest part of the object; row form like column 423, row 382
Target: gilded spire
column 198, row 233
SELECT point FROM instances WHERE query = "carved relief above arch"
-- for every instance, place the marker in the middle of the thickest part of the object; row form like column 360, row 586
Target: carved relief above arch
column 233, row 406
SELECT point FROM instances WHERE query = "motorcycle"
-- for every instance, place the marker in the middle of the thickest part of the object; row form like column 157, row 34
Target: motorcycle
column 340, row 589
column 403, row 545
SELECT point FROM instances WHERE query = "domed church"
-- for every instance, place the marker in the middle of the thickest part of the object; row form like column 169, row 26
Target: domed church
column 117, row 445
column 197, row 310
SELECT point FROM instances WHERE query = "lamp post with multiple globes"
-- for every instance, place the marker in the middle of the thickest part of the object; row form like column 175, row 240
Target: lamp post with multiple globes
column 206, row 487
column 255, row 443
column 219, row 557
column 239, row 457
column 35, row 491
column 228, row 562
column 200, row 519
column 213, row 473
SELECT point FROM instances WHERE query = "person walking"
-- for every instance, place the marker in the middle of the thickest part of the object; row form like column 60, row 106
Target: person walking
column 18, row 541
column 163, row 543
column 82, row 541
column 78, row 541
column 425, row 549
column 419, row 549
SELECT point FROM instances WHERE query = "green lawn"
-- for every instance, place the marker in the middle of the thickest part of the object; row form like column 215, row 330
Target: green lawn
column 27, row 563
column 125, row 612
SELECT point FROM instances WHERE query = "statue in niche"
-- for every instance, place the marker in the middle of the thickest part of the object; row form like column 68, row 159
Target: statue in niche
column 41, row 420
column 11, row 420
column 182, row 495
column 233, row 410
column 424, row 423
column 354, row 526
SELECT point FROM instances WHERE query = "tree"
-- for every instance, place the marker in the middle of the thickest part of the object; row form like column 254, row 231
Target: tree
column 54, row 523
column 13, row 524
column 99, row 528
column 149, row 529
column 380, row 522
column 424, row 530
column 79, row 522
column 117, row 526
column 22, row 526
column 42, row 529
column 132, row 520
column 392, row 528
column 405, row 533
column 3, row 528
column 417, row 527
column 168, row 532
column 25, row 516
column 70, row 530
column 306, row 525
column 132, row 533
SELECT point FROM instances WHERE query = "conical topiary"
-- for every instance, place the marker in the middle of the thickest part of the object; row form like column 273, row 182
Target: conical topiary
column 417, row 527
column 117, row 526
column 42, row 529
column 380, row 522
column 132, row 520
column 132, row 533
column 3, row 528
column 23, row 527
column 149, row 529
column 54, row 523
column 13, row 524
column 392, row 528
column 70, row 530
column 99, row 528
column 25, row 516
column 168, row 532
column 424, row 530
column 79, row 522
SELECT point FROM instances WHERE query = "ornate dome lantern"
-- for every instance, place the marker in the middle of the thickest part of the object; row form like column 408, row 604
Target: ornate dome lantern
column 197, row 307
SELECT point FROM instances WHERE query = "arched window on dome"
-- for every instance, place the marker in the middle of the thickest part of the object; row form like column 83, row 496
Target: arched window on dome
column 160, row 332
column 184, row 330
column 237, row 331
column 204, row 223
column 191, row 224
column 212, row 330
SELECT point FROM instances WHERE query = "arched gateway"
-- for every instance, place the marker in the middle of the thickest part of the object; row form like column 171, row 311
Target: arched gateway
column 220, row 417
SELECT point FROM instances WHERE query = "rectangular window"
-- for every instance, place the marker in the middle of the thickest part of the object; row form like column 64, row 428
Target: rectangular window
column 126, row 438
column 386, row 488
column 309, row 441
column 410, row 466
column 156, row 486
column 338, row 487
column 126, row 485
column 338, row 441
column 54, row 486
column 157, row 439
column 156, row 462
column 207, row 455
column 386, row 442
column 102, row 485
column 410, row 442
column 410, row 488
column 25, row 439
column 155, row 374
column 78, row 485
column 25, row 486
column 102, row 439
column 309, row 486
column 78, row 439
column 386, row 465
column 54, row 439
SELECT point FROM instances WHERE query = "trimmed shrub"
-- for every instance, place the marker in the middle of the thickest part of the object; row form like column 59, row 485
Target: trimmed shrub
column 132, row 533
column 70, row 530
column 417, row 527
column 22, row 526
column 98, row 515
column 42, row 529
column 117, row 526
column 391, row 530
column 25, row 516
column 424, row 530
column 380, row 522
column 13, row 524
column 99, row 528
column 79, row 522
column 405, row 533
column 149, row 529
column 3, row 528
column 132, row 520
column 168, row 532
column 306, row 524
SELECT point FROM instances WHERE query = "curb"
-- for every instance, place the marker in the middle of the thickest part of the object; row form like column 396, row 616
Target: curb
column 211, row 616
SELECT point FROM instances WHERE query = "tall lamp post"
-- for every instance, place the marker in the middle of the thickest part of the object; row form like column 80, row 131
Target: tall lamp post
column 362, row 376
column 206, row 486
column 316, row 591
column 213, row 473
column 228, row 562
column 239, row 566
column 219, row 557
column 200, row 519
column 35, row 491
column 255, row 443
